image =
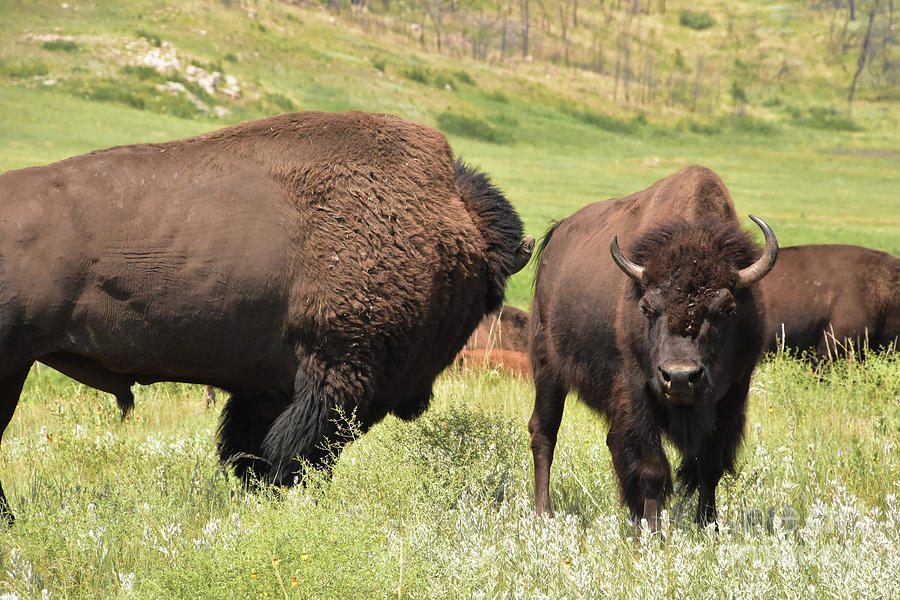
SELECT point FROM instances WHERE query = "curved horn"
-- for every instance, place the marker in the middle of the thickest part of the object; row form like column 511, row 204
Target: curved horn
column 523, row 254
column 750, row 275
column 633, row 270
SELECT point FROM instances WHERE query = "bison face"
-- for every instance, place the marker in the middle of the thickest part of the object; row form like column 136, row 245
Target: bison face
column 694, row 292
column 689, row 344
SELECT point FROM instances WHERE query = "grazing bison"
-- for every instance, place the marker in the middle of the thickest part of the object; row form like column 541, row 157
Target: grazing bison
column 500, row 342
column 308, row 264
column 820, row 296
column 663, row 342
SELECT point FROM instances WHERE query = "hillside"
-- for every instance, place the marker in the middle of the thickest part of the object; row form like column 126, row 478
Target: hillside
column 760, row 94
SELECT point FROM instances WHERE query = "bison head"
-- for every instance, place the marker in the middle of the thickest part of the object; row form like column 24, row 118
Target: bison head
column 699, row 318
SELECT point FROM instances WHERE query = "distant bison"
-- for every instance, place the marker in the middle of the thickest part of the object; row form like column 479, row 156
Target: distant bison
column 820, row 296
column 500, row 342
column 661, row 343
column 312, row 265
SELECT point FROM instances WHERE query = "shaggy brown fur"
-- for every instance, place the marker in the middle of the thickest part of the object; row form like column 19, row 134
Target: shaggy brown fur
column 670, row 355
column 309, row 264
column 819, row 297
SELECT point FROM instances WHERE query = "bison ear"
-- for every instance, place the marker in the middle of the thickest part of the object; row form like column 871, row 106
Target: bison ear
column 523, row 254
column 723, row 303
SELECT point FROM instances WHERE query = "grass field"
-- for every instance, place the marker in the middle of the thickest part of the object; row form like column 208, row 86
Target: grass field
column 441, row 508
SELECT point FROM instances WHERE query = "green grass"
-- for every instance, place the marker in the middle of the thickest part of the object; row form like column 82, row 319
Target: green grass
column 441, row 507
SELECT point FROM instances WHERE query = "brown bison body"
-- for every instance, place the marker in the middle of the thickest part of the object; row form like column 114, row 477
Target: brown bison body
column 820, row 296
column 666, row 347
column 500, row 342
column 309, row 264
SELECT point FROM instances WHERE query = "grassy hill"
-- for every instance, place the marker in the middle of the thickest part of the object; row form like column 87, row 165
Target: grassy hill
column 76, row 77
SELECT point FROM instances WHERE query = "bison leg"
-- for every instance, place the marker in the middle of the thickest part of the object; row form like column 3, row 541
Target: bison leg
column 718, row 451
column 549, row 400
column 10, row 388
column 246, row 418
column 641, row 465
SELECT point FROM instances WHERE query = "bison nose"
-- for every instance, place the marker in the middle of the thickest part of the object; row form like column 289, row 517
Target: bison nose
column 679, row 380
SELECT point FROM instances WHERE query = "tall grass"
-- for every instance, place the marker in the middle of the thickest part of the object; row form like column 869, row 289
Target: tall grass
column 441, row 507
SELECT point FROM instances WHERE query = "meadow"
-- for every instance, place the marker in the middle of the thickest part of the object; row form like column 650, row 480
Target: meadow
column 441, row 508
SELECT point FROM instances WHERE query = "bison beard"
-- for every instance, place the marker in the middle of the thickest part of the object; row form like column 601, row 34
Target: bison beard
column 667, row 352
column 315, row 266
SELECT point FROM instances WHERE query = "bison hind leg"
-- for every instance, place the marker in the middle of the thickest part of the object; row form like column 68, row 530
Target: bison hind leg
column 413, row 407
column 246, row 418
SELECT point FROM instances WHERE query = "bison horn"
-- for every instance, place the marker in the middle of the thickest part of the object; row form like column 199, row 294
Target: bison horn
column 633, row 270
column 750, row 275
column 523, row 254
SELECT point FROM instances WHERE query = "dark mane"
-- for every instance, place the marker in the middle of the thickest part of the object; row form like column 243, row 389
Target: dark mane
column 498, row 223
column 695, row 256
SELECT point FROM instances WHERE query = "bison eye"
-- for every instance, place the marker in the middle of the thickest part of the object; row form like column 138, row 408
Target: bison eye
column 646, row 307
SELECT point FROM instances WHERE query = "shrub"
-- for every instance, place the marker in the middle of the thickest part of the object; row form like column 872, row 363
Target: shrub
column 498, row 96
column 281, row 101
column 472, row 127
column 378, row 62
column 748, row 124
column 704, row 128
column 819, row 117
column 601, row 121
column 443, row 82
column 23, row 70
column 144, row 73
column 209, row 67
column 464, row 77
column 60, row 46
column 417, row 74
column 695, row 20
column 231, row 57
column 150, row 37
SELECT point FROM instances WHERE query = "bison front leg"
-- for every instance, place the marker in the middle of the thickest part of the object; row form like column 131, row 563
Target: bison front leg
column 720, row 448
column 246, row 419
column 544, row 426
column 642, row 468
column 10, row 388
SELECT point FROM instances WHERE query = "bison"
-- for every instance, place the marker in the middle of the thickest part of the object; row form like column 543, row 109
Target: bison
column 308, row 264
column 819, row 296
column 500, row 341
column 663, row 342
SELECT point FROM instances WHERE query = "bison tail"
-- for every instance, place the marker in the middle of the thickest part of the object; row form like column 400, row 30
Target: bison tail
column 542, row 245
column 304, row 431
column 498, row 223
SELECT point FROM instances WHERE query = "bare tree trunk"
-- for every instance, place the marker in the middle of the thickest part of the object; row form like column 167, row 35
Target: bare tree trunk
column 503, row 37
column 697, row 82
column 852, row 10
column 563, row 23
column 523, row 4
column 863, row 55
